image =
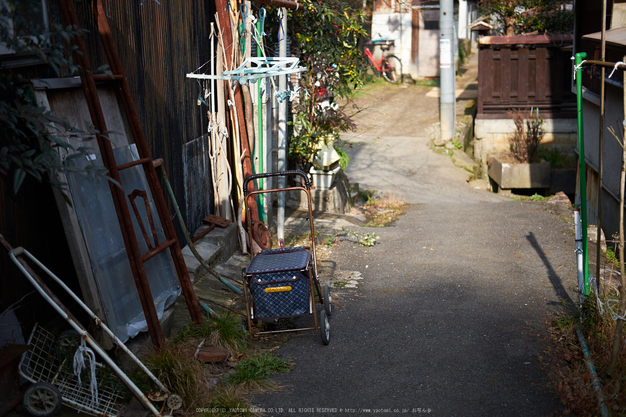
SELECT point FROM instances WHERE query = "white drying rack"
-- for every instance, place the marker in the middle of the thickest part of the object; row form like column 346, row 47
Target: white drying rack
column 254, row 68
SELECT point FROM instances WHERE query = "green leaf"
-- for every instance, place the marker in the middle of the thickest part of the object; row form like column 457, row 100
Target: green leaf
column 18, row 179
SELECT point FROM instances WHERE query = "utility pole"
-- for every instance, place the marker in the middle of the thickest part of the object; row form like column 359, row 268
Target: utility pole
column 447, row 100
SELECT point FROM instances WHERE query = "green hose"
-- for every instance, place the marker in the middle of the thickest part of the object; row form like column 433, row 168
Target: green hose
column 188, row 238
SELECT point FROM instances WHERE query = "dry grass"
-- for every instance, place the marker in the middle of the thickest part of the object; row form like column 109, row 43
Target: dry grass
column 565, row 364
column 383, row 210
column 213, row 389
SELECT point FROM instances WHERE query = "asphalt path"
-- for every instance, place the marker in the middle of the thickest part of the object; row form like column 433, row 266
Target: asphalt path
column 450, row 316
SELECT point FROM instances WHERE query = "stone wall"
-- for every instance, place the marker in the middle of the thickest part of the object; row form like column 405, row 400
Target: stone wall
column 491, row 136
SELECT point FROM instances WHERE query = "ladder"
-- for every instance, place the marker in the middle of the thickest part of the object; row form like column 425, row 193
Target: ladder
column 136, row 258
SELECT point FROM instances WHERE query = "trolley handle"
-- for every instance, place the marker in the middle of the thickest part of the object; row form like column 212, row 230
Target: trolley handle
column 307, row 182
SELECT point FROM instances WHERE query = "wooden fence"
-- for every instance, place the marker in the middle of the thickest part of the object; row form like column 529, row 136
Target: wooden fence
column 524, row 72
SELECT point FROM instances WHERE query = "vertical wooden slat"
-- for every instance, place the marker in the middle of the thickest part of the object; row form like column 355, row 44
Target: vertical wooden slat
column 522, row 79
column 505, row 77
column 532, row 75
column 514, row 74
column 485, row 79
column 542, row 75
column 556, row 74
column 497, row 76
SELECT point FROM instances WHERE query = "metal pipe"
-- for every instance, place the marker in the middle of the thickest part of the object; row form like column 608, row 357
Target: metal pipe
column 579, row 257
column 581, row 166
column 260, row 147
column 447, row 99
column 594, row 376
column 282, row 130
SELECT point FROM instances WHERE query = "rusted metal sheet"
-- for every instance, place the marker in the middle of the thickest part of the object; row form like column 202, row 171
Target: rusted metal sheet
column 591, row 179
column 198, row 181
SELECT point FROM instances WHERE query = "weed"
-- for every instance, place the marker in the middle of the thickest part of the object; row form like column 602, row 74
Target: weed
column 253, row 372
column 553, row 156
column 527, row 136
column 225, row 402
column 329, row 241
column 384, row 210
column 344, row 158
column 458, row 145
column 534, row 197
column 180, row 373
column 565, row 364
column 340, row 284
column 364, row 239
column 424, row 82
column 467, row 169
column 442, row 151
column 223, row 330
column 611, row 257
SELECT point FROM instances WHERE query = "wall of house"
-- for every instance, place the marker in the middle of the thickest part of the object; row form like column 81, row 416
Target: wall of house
column 158, row 44
column 429, row 44
column 611, row 156
column 397, row 27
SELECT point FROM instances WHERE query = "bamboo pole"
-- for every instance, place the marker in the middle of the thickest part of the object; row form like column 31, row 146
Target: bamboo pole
column 619, row 324
column 601, row 146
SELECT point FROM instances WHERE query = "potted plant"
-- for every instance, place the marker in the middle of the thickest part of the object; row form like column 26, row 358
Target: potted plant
column 326, row 36
column 521, row 168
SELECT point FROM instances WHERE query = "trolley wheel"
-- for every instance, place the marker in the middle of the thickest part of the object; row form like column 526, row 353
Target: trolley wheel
column 327, row 301
column 69, row 341
column 174, row 402
column 42, row 399
column 324, row 327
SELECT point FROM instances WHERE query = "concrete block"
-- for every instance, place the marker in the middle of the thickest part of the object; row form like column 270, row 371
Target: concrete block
column 207, row 251
column 334, row 200
column 517, row 175
column 223, row 237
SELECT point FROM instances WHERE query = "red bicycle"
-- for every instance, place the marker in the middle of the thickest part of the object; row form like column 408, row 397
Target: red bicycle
column 389, row 66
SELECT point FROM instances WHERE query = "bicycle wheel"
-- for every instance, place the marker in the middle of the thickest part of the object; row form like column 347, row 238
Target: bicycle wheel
column 392, row 68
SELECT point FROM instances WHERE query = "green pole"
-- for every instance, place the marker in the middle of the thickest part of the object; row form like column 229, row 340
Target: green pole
column 581, row 164
column 262, row 215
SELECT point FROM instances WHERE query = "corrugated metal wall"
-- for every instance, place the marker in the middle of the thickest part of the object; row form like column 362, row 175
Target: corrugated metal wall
column 158, row 44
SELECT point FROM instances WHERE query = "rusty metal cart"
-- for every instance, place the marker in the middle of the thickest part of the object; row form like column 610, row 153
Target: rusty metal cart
column 284, row 283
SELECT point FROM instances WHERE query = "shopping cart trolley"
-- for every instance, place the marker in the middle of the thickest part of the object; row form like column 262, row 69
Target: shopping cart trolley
column 52, row 373
column 284, row 283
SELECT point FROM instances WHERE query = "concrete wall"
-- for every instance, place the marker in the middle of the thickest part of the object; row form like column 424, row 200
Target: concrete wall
column 395, row 26
column 492, row 136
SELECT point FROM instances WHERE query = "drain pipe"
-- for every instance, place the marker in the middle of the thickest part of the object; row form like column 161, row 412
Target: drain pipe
column 159, row 163
column 604, row 411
